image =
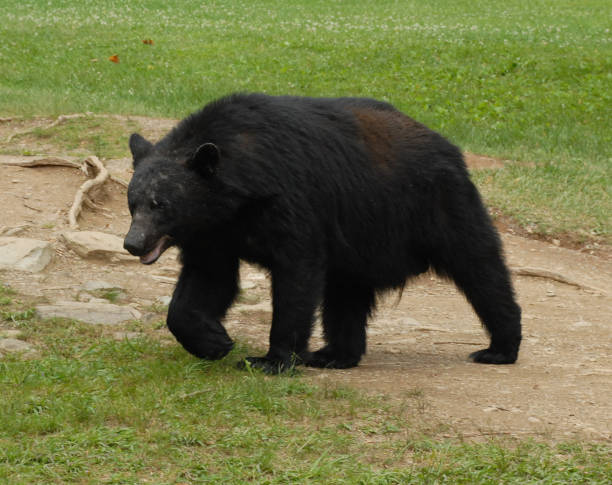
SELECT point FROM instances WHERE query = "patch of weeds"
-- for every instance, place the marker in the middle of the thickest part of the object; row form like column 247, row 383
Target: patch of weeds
column 112, row 295
column 415, row 398
column 18, row 317
column 157, row 308
column 134, row 326
column 6, row 290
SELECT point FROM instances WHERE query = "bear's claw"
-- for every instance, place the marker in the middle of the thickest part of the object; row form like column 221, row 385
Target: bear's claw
column 491, row 356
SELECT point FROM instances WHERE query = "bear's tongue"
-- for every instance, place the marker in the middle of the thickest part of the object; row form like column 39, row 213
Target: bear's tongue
column 156, row 252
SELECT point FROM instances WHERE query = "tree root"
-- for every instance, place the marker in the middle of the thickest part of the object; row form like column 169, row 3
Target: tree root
column 551, row 275
column 46, row 161
column 59, row 162
column 86, row 187
column 81, row 196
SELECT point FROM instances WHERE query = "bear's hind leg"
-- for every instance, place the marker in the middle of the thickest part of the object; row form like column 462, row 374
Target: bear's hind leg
column 201, row 299
column 346, row 308
column 485, row 281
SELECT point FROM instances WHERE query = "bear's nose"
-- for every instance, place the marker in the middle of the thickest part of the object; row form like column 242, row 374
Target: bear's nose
column 134, row 242
column 131, row 247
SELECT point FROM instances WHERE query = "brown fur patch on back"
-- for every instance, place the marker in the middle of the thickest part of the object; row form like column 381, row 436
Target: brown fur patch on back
column 383, row 132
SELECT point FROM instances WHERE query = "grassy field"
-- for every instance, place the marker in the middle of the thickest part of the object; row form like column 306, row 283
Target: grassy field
column 90, row 409
column 525, row 82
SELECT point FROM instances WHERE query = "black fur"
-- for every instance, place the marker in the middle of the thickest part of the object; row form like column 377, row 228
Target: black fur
column 338, row 198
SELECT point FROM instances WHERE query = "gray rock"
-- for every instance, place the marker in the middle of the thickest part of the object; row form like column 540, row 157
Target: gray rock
column 89, row 312
column 10, row 333
column 24, row 254
column 163, row 300
column 13, row 345
column 93, row 244
column 149, row 318
column 247, row 285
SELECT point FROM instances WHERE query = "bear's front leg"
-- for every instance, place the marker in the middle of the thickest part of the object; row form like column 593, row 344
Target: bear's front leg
column 296, row 293
column 201, row 298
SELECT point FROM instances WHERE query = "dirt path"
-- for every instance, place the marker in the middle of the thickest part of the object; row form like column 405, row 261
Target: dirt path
column 560, row 388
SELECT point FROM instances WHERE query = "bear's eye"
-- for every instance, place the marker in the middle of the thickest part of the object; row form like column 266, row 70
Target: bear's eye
column 155, row 204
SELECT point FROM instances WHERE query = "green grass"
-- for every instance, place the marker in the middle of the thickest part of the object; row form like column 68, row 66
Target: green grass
column 5, row 295
column 522, row 82
column 90, row 409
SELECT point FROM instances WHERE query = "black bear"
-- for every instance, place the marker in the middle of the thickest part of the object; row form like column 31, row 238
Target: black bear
column 339, row 198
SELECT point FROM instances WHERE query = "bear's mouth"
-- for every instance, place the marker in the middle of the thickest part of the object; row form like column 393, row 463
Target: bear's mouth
column 153, row 255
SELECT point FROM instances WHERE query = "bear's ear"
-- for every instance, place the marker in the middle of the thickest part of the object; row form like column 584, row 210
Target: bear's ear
column 205, row 159
column 139, row 147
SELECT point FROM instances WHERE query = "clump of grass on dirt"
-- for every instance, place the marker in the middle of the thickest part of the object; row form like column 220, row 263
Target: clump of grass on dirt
column 5, row 295
column 91, row 409
column 104, row 137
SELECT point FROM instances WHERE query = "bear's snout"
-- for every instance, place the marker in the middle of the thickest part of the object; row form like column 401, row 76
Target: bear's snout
column 134, row 242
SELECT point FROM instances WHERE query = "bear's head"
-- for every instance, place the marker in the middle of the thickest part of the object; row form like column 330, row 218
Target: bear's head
column 171, row 197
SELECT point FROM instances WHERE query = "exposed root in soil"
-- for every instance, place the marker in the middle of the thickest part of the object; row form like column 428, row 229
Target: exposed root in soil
column 48, row 161
column 86, row 187
column 551, row 275
column 12, row 231
column 81, row 197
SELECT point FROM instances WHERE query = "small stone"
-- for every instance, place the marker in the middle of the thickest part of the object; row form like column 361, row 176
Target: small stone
column 101, row 301
column 92, row 244
column 163, row 300
column 247, row 285
column 582, row 324
column 257, row 276
column 95, row 312
column 410, row 321
column 533, row 419
column 13, row 345
column 556, row 242
column 24, row 254
column 10, row 333
column 149, row 318
column 135, row 312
